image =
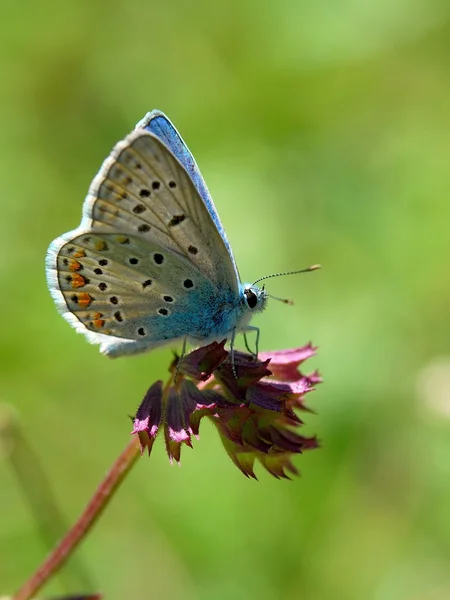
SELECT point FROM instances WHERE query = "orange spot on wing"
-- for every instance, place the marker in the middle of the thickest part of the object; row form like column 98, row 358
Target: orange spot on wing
column 79, row 254
column 78, row 281
column 74, row 265
column 84, row 299
column 98, row 323
column 100, row 245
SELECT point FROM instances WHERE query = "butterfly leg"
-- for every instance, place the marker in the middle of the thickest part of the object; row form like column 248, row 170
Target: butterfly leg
column 249, row 350
column 247, row 329
column 183, row 354
column 233, row 366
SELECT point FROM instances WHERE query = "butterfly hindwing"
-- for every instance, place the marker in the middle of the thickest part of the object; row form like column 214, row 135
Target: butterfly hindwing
column 118, row 285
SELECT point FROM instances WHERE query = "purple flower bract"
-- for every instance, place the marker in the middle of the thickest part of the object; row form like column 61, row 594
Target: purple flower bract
column 252, row 402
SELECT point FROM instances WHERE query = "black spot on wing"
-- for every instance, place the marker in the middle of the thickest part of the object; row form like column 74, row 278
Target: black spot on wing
column 176, row 220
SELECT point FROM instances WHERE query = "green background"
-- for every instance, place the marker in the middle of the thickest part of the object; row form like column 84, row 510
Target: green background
column 322, row 130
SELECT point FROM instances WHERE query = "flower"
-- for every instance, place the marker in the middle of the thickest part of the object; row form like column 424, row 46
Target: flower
column 252, row 402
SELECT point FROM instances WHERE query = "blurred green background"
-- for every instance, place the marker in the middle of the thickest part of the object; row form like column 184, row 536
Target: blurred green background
column 322, row 130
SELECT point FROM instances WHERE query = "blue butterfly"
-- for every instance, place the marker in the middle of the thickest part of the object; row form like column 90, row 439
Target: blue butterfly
column 150, row 262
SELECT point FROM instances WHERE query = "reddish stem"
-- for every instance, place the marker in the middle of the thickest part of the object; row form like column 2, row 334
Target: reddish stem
column 91, row 513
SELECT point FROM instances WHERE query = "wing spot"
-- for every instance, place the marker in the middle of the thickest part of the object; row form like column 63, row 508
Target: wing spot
column 114, row 300
column 146, row 283
column 78, row 281
column 156, row 185
column 66, row 262
column 103, row 262
column 138, row 209
column 102, row 286
column 168, row 298
column 70, row 250
column 133, row 260
column 128, row 180
column 172, row 184
column 74, row 299
column 141, row 331
column 101, row 245
column 158, row 258
column 138, row 166
column 163, row 311
column 118, row 316
column 176, row 220
column 188, row 283
column 87, row 239
column 79, row 254
column 144, row 228
column 192, row 249
column 85, row 299
column 98, row 271
column 74, row 265
column 98, row 321
column 121, row 239
column 144, row 193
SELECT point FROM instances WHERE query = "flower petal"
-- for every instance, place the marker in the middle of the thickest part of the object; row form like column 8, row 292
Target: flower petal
column 201, row 363
column 284, row 363
column 148, row 416
column 237, row 377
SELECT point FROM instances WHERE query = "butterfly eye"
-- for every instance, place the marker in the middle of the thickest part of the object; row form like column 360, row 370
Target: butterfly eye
column 251, row 297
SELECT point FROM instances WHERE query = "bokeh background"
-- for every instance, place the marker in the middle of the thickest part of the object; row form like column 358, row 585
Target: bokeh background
column 322, row 130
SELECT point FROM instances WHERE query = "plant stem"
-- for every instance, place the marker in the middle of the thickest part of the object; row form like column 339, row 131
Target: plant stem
column 91, row 513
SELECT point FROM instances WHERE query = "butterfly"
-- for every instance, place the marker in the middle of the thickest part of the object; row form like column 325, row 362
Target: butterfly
column 150, row 263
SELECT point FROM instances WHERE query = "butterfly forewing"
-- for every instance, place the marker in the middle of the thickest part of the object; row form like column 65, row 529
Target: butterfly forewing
column 143, row 190
column 159, row 125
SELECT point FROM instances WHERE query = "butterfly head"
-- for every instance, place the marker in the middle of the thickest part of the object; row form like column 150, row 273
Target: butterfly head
column 254, row 297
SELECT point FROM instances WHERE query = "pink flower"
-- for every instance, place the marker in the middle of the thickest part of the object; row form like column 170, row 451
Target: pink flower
column 253, row 404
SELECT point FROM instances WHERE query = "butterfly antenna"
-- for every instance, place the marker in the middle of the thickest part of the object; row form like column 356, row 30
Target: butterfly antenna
column 284, row 300
column 311, row 268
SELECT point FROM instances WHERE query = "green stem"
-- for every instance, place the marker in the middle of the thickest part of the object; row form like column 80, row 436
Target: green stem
column 91, row 513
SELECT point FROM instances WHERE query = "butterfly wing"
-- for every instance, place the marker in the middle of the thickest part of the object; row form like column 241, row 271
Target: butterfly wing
column 142, row 206
column 129, row 294
column 159, row 124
